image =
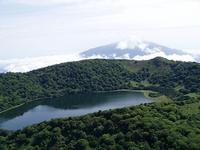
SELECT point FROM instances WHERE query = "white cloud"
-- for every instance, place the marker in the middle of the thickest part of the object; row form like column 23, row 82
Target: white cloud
column 186, row 58
column 131, row 43
column 136, row 43
column 28, row 64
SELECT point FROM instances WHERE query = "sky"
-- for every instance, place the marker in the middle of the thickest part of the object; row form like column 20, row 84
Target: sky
column 36, row 28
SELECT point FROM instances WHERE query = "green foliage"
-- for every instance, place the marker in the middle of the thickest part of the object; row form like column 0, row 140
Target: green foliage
column 148, row 126
column 158, row 75
column 174, row 125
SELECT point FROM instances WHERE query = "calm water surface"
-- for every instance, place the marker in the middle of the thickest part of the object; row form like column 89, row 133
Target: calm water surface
column 67, row 106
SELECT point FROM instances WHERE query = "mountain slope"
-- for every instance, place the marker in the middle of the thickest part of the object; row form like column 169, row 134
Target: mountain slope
column 136, row 49
column 174, row 79
column 133, row 49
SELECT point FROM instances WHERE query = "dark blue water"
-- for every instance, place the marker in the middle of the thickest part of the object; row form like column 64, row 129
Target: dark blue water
column 67, row 106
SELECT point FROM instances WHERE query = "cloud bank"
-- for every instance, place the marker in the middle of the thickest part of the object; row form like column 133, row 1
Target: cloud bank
column 28, row 64
column 186, row 58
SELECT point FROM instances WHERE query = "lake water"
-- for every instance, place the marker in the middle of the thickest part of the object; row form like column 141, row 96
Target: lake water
column 67, row 106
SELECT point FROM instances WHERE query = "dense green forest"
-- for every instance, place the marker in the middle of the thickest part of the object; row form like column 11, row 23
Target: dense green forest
column 177, row 80
column 149, row 126
column 159, row 125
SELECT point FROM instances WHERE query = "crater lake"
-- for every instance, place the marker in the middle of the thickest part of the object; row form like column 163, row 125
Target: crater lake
column 68, row 106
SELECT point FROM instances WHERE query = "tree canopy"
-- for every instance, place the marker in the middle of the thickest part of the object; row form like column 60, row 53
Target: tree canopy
column 174, row 79
column 148, row 126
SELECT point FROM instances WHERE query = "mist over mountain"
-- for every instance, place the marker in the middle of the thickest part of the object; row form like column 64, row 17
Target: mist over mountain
column 134, row 48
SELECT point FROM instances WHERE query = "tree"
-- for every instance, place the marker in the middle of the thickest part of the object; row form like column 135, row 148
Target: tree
column 82, row 144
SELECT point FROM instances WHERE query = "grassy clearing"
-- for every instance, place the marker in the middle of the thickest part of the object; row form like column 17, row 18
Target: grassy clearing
column 144, row 83
column 177, row 88
column 161, row 98
column 193, row 95
column 192, row 108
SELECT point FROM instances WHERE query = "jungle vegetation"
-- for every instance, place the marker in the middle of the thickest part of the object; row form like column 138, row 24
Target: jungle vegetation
column 177, row 80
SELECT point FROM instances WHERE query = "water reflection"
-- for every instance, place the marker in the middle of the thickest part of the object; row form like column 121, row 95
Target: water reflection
column 67, row 106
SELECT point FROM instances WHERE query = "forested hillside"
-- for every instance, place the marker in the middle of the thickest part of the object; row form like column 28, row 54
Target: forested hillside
column 177, row 80
column 171, row 125
column 151, row 126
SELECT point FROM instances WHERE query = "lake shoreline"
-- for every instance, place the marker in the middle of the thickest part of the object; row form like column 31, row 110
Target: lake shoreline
column 145, row 92
column 70, row 105
column 11, row 108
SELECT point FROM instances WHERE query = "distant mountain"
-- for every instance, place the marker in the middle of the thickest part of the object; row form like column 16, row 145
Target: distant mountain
column 136, row 49
column 132, row 49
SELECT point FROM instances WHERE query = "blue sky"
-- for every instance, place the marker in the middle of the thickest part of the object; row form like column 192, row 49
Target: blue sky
column 31, row 28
